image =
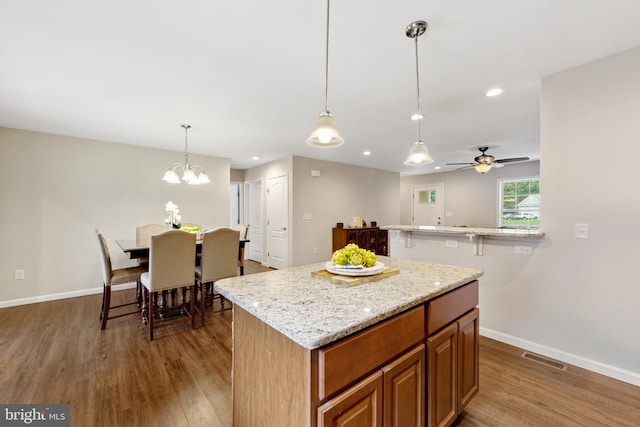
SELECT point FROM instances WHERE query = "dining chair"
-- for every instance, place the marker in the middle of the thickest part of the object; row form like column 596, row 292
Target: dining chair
column 143, row 236
column 118, row 276
column 172, row 256
column 219, row 260
column 244, row 230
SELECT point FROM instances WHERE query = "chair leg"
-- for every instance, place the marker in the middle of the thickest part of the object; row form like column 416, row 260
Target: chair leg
column 102, row 308
column 150, row 311
column 106, row 303
column 191, row 306
column 202, row 297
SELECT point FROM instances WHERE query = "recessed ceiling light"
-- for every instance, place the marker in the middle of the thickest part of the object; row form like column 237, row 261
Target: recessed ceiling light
column 367, row 153
column 255, row 158
column 493, row 92
column 437, row 168
column 417, row 116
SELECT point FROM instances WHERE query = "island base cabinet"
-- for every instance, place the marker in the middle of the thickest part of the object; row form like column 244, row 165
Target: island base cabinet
column 441, row 377
column 404, row 389
column 452, row 375
column 390, row 397
column 359, row 406
column 468, row 357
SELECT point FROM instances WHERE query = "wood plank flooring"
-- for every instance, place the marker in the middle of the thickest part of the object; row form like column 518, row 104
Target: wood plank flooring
column 54, row 352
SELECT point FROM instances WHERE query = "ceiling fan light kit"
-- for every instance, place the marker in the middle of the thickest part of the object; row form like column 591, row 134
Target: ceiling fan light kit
column 189, row 174
column 325, row 130
column 484, row 162
column 419, row 153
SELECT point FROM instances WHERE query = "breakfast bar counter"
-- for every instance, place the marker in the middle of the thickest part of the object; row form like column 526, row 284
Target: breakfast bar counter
column 310, row 352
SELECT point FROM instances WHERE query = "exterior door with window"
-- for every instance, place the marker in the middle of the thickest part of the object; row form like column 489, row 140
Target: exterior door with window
column 427, row 205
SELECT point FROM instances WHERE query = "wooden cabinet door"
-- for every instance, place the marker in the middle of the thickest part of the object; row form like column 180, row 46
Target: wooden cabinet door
column 468, row 353
column 404, row 390
column 359, row 406
column 442, row 393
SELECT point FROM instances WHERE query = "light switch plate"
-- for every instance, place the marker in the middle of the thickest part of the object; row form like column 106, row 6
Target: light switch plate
column 451, row 243
column 523, row 250
column 582, row 231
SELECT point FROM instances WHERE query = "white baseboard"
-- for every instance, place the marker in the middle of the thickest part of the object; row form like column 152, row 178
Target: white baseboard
column 562, row 356
column 63, row 295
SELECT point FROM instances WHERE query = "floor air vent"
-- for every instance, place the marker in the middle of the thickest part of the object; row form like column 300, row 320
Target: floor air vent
column 545, row 361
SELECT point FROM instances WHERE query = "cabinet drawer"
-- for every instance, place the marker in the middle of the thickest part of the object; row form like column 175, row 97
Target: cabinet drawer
column 341, row 363
column 448, row 307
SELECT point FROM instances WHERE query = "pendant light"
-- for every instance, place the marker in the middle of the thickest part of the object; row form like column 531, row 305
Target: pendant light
column 189, row 173
column 325, row 130
column 418, row 154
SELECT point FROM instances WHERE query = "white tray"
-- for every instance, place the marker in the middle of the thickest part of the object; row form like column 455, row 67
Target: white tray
column 365, row 271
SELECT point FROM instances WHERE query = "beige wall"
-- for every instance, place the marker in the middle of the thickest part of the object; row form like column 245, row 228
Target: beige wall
column 470, row 197
column 56, row 190
column 340, row 192
column 337, row 195
column 587, row 290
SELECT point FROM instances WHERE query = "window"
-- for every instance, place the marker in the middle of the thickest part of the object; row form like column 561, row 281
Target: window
column 428, row 196
column 519, row 203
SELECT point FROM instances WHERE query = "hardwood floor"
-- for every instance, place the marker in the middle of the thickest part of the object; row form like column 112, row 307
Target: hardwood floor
column 54, row 352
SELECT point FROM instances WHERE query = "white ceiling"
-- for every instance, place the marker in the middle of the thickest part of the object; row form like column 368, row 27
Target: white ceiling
column 249, row 75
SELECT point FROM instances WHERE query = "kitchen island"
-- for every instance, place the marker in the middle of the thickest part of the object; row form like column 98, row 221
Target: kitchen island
column 308, row 352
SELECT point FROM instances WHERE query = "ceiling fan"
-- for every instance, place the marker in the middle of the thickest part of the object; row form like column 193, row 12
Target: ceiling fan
column 484, row 162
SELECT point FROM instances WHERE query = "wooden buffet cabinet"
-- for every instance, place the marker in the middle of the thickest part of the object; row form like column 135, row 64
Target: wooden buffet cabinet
column 369, row 238
column 417, row 368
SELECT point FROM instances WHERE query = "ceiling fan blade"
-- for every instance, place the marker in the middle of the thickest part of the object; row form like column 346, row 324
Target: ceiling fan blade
column 466, row 167
column 514, row 159
column 467, row 163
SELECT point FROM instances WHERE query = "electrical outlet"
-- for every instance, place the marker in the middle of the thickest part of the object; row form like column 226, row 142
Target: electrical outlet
column 452, row 243
column 523, row 250
column 19, row 274
column 582, row 231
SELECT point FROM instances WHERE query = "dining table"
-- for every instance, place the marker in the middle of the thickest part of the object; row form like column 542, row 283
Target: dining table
column 139, row 248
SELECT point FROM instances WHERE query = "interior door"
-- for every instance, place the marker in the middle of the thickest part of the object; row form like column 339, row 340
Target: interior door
column 255, row 220
column 277, row 222
column 234, row 204
column 427, row 205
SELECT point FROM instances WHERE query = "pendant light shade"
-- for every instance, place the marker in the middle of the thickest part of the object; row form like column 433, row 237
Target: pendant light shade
column 418, row 154
column 325, row 130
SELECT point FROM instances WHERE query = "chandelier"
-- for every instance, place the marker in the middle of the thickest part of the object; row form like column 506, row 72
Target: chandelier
column 191, row 174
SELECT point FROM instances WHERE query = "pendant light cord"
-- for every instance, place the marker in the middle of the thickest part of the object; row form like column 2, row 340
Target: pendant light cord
column 326, row 63
column 418, row 87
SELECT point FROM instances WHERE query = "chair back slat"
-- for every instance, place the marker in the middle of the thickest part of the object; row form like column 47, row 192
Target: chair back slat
column 219, row 254
column 172, row 255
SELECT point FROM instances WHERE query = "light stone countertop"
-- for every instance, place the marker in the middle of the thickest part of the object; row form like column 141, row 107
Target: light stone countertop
column 313, row 312
column 518, row 233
